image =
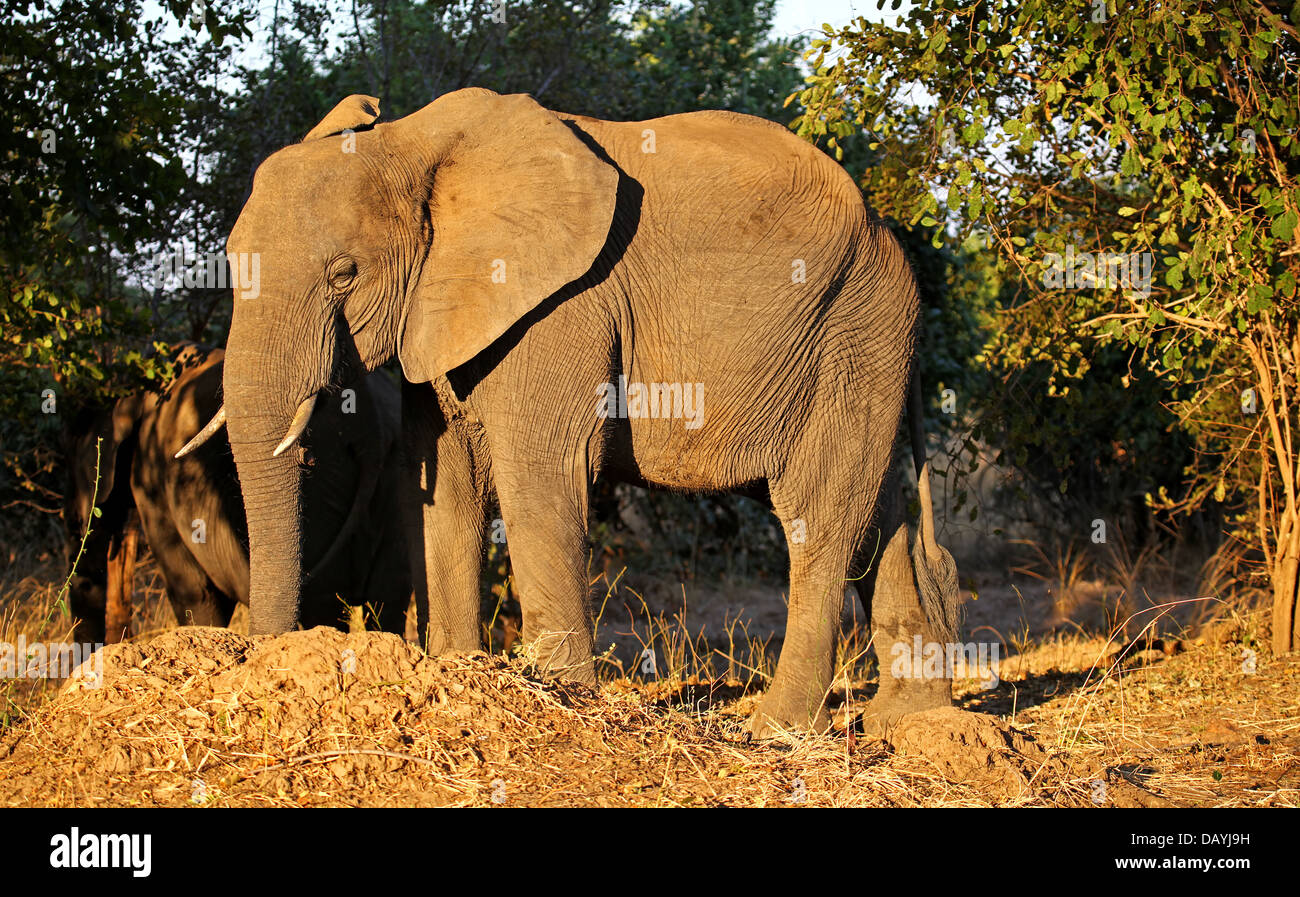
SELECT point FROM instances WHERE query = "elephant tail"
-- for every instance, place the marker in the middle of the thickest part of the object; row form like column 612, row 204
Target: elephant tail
column 936, row 570
column 916, row 422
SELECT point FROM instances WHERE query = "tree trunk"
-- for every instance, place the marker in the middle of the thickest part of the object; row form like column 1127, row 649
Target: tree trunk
column 1286, row 622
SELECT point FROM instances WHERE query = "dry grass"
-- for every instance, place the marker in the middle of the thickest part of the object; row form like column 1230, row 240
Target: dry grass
column 480, row 730
column 1062, row 570
column 1152, row 718
column 403, row 729
column 33, row 607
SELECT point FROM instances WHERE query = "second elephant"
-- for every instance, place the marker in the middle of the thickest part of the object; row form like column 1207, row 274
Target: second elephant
column 191, row 512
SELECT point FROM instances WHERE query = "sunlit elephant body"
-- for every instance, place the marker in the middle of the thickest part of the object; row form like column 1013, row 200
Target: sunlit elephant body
column 191, row 512
column 521, row 263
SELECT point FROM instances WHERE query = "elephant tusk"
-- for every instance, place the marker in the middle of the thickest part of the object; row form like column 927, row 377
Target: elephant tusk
column 218, row 421
column 297, row 425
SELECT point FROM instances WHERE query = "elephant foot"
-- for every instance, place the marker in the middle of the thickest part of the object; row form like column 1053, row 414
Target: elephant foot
column 563, row 655
column 779, row 717
column 581, row 673
column 884, row 711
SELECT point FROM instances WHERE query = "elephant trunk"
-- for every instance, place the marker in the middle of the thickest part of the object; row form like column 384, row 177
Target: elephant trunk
column 260, row 409
column 273, row 505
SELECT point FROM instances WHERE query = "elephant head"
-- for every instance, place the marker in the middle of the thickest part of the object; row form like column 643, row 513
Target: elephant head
column 426, row 238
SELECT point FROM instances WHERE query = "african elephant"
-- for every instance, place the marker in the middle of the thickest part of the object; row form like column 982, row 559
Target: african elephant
column 563, row 295
column 191, row 511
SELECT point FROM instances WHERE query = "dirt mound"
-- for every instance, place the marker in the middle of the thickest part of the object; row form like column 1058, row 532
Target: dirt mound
column 983, row 752
column 210, row 717
column 972, row 749
column 191, row 715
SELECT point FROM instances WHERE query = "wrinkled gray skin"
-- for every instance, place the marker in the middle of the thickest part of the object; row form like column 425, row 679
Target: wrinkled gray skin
column 912, row 590
column 514, row 259
column 353, row 536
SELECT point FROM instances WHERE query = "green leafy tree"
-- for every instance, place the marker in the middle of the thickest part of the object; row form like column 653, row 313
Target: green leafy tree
column 619, row 59
column 1158, row 134
column 92, row 155
column 711, row 54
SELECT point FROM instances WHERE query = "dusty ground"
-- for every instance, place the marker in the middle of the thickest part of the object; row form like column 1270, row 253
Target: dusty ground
column 1177, row 713
column 210, row 717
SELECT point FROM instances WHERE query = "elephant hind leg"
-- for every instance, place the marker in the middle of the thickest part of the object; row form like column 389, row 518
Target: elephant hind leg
column 796, row 699
column 825, row 508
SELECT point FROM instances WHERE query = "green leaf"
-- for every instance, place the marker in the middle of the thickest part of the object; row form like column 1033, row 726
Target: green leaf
column 1283, row 226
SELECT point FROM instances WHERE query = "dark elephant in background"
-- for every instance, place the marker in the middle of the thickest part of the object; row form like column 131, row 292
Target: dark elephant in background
column 538, row 274
column 191, row 512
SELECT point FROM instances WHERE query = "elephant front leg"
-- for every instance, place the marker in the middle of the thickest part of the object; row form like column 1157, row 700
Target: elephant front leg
column 443, row 509
column 546, row 533
column 446, row 565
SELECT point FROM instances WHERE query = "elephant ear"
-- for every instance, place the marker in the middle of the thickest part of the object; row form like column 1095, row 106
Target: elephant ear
column 98, row 442
column 357, row 112
column 126, row 416
column 519, row 206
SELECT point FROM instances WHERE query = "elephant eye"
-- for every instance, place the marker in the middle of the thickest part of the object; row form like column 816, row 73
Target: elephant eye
column 342, row 273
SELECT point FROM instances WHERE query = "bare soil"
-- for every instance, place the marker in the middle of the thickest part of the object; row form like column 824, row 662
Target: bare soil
column 1189, row 712
column 207, row 717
